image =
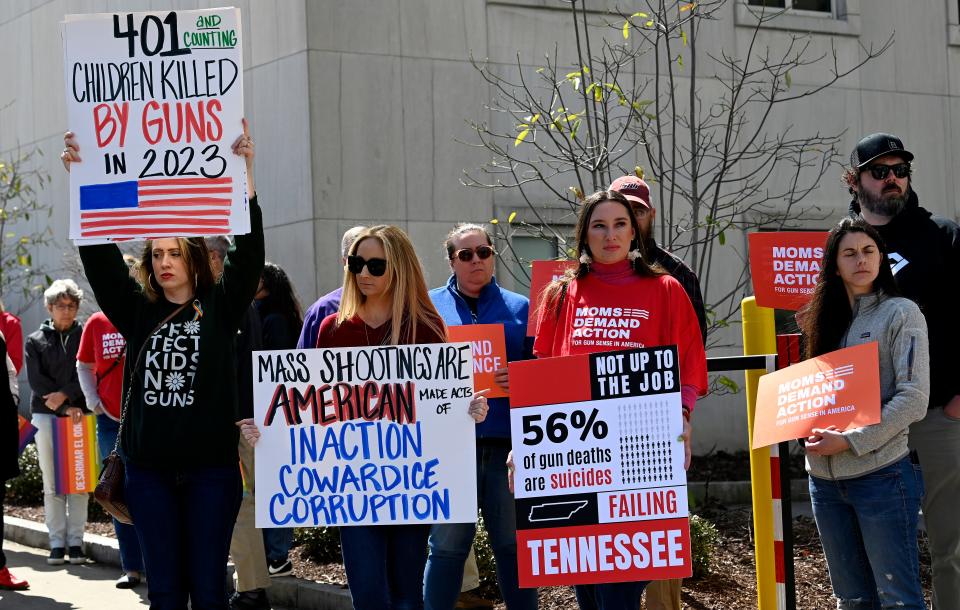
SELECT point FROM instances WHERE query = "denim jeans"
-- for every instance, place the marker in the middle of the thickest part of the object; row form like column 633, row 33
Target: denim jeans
column 277, row 542
column 450, row 542
column 130, row 558
column 384, row 565
column 613, row 596
column 65, row 515
column 184, row 520
column 868, row 528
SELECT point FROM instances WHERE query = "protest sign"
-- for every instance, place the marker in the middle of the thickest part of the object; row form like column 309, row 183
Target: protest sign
column 599, row 485
column 155, row 101
column 365, row 436
column 25, row 433
column 541, row 274
column 784, row 266
column 839, row 389
column 76, row 463
column 489, row 353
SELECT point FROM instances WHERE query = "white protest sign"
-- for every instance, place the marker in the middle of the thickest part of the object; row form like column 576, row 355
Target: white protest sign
column 365, row 435
column 155, row 101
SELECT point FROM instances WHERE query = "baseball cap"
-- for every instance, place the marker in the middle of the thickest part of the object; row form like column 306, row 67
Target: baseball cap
column 877, row 145
column 634, row 189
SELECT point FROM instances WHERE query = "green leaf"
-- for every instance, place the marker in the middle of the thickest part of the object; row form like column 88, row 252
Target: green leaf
column 521, row 137
column 728, row 383
column 511, row 217
column 788, row 79
column 626, row 30
column 722, row 238
column 494, row 221
column 683, row 37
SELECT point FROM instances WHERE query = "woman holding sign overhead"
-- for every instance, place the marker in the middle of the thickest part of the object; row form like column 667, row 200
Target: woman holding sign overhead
column 384, row 302
column 178, row 435
column 583, row 311
column 864, row 485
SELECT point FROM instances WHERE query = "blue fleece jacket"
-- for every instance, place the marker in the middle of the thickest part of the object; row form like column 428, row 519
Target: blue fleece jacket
column 495, row 306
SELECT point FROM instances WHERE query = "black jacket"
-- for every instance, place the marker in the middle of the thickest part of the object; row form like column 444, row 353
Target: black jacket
column 9, row 428
column 925, row 258
column 51, row 358
column 675, row 266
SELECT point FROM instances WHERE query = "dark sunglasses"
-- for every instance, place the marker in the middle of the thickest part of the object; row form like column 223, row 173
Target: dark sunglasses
column 880, row 171
column 376, row 266
column 466, row 254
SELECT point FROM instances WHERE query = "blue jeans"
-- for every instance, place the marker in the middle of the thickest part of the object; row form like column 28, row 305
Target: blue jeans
column 613, row 596
column 450, row 542
column 185, row 520
column 384, row 565
column 868, row 528
column 130, row 558
column 277, row 542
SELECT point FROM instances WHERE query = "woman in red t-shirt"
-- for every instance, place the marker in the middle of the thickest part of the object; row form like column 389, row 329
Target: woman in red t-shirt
column 384, row 302
column 614, row 300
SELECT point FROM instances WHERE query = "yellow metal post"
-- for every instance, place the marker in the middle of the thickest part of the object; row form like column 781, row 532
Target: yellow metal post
column 759, row 337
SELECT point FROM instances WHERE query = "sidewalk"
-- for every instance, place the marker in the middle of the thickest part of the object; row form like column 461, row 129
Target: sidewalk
column 29, row 536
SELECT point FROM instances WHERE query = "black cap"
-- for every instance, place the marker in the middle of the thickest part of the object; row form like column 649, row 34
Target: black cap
column 877, row 145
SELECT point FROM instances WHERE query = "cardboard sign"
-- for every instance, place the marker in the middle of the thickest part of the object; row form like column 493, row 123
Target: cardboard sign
column 156, row 101
column 25, row 431
column 542, row 273
column 785, row 266
column 600, row 487
column 839, row 389
column 489, row 353
column 365, row 436
column 76, row 461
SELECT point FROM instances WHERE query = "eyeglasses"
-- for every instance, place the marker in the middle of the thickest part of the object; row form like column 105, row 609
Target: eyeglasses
column 466, row 254
column 880, row 171
column 376, row 266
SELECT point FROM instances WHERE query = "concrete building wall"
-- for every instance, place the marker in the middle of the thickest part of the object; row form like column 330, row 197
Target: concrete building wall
column 358, row 110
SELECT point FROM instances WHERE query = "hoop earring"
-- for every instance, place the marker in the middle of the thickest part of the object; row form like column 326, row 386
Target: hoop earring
column 585, row 261
column 153, row 282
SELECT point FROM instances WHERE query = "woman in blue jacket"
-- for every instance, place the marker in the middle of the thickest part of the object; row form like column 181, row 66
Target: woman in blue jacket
column 472, row 296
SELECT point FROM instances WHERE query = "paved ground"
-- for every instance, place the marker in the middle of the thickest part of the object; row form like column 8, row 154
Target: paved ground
column 65, row 587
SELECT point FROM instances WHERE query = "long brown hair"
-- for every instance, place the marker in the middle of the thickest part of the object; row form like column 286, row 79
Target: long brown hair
column 827, row 317
column 411, row 305
column 195, row 255
column 557, row 288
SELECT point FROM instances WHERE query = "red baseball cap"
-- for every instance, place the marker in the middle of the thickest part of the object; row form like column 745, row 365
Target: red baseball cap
column 634, row 189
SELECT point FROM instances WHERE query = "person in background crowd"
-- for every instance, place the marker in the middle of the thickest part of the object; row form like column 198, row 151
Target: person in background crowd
column 179, row 438
column 12, row 329
column 472, row 296
column 51, row 358
column 661, row 594
column 384, row 302
column 9, row 456
column 613, row 273
column 279, row 310
column 864, row 487
column 328, row 303
column 924, row 254
column 100, row 372
column 246, row 543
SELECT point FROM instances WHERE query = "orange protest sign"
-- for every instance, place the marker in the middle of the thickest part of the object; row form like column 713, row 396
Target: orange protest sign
column 839, row 389
column 542, row 273
column 489, row 353
column 784, row 266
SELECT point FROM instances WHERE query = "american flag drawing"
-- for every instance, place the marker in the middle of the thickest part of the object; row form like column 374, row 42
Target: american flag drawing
column 168, row 206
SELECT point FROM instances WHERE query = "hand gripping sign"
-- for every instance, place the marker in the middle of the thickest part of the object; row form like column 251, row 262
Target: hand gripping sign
column 156, row 101
column 785, row 266
column 839, row 389
column 365, row 436
column 599, row 484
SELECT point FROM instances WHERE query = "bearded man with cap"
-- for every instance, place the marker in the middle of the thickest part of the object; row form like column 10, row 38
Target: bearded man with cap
column 661, row 594
column 925, row 258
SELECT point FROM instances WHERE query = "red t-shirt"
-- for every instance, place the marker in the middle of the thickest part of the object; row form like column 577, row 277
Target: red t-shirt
column 617, row 309
column 101, row 344
column 356, row 333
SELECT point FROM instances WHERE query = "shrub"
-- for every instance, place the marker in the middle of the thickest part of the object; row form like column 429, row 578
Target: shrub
column 27, row 489
column 703, row 541
column 320, row 544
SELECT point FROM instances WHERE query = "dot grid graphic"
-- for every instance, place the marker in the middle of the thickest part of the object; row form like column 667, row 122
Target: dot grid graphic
column 646, row 449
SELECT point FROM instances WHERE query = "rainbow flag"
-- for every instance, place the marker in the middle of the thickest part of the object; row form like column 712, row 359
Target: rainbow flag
column 27, row 431
column 76, row 460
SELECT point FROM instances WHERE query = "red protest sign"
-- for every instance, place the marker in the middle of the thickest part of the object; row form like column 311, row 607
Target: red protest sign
column 543, row 272
column 784, row 266
column 489, row 353
column 839, row 389
column 599, row 484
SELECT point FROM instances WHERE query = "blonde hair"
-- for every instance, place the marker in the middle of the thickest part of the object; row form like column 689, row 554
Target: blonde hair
column 411, row 305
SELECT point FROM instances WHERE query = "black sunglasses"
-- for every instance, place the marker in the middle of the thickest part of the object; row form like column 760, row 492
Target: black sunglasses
column 376, row 266
column 880, row 171
column 466, row 254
